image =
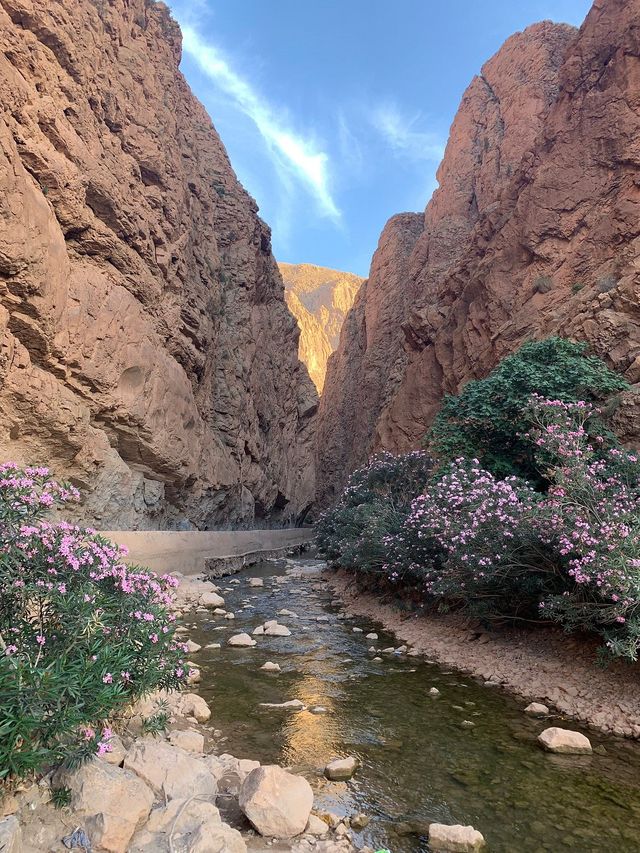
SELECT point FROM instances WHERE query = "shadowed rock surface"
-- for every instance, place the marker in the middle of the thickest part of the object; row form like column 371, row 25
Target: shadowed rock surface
column 532, row 232
column 147, row 353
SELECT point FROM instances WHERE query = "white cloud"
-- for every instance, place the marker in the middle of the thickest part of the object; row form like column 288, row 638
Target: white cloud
column 402, row 134
column 290, row 152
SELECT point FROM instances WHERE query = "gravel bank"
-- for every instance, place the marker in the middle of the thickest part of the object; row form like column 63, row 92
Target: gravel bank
column 543, row 665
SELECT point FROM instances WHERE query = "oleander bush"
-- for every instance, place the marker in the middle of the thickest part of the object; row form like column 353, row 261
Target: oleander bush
column 562, row 544
column 373, row 506
column 490, row 418
column 81, row 632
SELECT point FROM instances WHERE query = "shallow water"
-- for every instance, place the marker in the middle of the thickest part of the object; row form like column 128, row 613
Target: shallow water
column 419, row 764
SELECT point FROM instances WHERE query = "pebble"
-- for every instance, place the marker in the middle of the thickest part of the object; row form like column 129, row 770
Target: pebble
column 269, row 666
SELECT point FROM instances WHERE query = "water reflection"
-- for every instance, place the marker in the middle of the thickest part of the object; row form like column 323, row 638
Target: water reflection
column 420, row 763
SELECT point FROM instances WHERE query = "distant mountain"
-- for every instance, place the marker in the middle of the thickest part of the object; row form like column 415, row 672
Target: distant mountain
column 319, row 299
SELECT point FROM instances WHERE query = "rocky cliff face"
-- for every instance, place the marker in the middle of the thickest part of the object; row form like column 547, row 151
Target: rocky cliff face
column 534, row 231
column 319, row 299
column 146, row 350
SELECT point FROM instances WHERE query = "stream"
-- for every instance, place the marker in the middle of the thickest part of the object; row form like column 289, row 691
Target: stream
column 421, row 760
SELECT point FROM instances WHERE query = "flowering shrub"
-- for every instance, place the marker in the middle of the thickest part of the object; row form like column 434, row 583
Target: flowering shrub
column 81, row 633
column 373, row 506
column 490, row 417
column 500, row 548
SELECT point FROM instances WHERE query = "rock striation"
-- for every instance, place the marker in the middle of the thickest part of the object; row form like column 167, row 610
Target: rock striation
column 533, row 231
column 146, row 351
column 319, row 299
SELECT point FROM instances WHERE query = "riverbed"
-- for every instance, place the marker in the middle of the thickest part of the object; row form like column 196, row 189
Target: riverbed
column 466, row 755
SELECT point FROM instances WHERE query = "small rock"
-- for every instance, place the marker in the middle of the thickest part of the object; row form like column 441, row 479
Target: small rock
column 258, row 632
column 278, row 804
column 219, row 611
column 323, row 619
column 277, row 631
column 565, row 741
column 211, row 599
column 192, row 647
column 285, row 612
column 241, row 640
column 536, row 709
column 11, row 835
column 372, row 636
column 357, row 630
column 433, row 691
column 491, row 684
column 359, row 821
column 376, row 660
column 341, row 769
column 192, row 705
column 318, row 709
column 400, row 650
column 256, row 582
column 229, row 615
column 187, row 739
column 213, row 646
column 270, row 667
column 194, row 676
column 292, row 705
column 457, row 839
column 269, row 623
column 467, row 724
column 316, row 826
column 388, row 651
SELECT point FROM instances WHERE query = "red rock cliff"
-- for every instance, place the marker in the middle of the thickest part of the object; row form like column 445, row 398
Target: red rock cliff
column 533, row 231
column 146, row 349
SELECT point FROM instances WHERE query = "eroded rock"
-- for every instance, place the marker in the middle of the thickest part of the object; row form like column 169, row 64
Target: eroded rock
column 276, row 802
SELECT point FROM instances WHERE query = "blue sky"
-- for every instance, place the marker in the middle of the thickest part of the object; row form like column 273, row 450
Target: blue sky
column 335, row 113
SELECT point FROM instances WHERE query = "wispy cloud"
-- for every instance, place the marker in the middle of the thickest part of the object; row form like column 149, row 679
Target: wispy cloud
column 404, row 136
column 301, row 157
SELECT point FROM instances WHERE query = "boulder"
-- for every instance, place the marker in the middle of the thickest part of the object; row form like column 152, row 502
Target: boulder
column 192, row 705
column 112, row 802
column 276, row 802
column 241, row 640
column 187, row 739
column 565, row 741
column 10, row 835
column 341, row 769
column 211, row 599
column 269, row 666
column 187, row 825
column 230, row 772
column 456, row 839
column 277, row 631
column 170, row 771
column 536, row 709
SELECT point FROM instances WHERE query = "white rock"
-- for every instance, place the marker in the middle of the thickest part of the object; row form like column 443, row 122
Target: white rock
column 400, row 650
column 536, row 709
column 377, row 660
column 194, row 676
column 277, row 803
column 241, row 640
column 11, row 835
column 211, row 599
column 220, row 611
column 433, row 691
column 277, row 631
column 269, row 623
column 187, row 824
column 229, row 615
column 292, row 705
column 270, row 667
column 285, row 612
column 456, row 839
column 192, row 705
column 372, row 636
column 187, row 739
column 213, row 646
column 258, row 632
column 341, row 769
column 256, row 582
column 565, row 741
column 388, row 651
column 357, row 630
column 318, row 709
column 316, row 826
column 170, row 771
column 111, row 803
column 192, row 647
column 323, row 618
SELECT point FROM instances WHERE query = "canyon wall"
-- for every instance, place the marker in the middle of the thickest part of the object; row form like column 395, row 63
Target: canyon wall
column 147, row 353
column 319, row 299
column 533, row 231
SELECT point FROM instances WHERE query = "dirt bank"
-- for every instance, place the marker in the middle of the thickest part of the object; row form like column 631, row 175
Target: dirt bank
column 537, row 664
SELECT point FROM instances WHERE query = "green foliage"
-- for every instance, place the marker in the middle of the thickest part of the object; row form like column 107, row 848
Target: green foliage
column 157, row 723
column 373, row 507
column 489, row 418
column 61, row 797
column 81, row 632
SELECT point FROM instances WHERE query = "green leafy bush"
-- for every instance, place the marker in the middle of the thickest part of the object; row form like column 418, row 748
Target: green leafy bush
column 488, row 420
column 372, row 507
column 81, row 632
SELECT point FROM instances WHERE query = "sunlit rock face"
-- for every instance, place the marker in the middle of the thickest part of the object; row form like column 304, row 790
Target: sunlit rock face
column 532, row 232
column 319, row 299
column 147, row 352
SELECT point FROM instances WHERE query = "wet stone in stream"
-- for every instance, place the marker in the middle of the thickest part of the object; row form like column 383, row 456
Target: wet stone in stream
column 420, row 761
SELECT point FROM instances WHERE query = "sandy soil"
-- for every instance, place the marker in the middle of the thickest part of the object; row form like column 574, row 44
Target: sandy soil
column 538, row 664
